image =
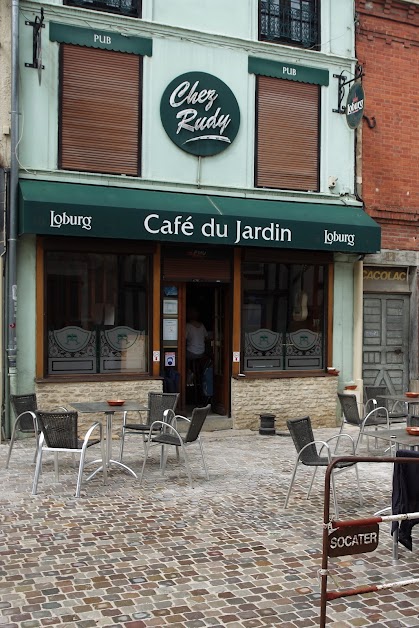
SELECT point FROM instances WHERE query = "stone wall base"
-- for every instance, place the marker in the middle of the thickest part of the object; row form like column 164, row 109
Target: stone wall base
column 52, row 395
column 286, row 398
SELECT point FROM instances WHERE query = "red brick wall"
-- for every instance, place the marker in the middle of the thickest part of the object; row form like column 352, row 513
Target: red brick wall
column 387, row 46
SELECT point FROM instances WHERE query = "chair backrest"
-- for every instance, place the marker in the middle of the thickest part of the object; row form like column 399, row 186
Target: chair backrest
column 24, row 403
column 158, row 403
column 302, row 434
column 59, row 429
column 376, row 392
column 350, row 410
column 197, row 421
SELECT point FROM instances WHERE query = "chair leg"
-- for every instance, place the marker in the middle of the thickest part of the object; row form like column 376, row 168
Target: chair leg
column 361, row 501
column 203, row 458
column 188, row 469
column 37, row 470
column 104, row 461
column 147, row 447
column 340, row 432
column 36, row 445
column 290, row 486
column 312, row 482
column 12, row 442
column 121, row 447
column 335, row 501
column 80, row 473
column 56, row 470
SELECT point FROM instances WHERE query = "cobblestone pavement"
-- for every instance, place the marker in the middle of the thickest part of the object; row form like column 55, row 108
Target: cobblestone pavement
column 224, row 553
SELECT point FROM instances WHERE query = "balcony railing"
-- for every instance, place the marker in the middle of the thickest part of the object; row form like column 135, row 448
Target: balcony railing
column 290, row 21
column 131, row 8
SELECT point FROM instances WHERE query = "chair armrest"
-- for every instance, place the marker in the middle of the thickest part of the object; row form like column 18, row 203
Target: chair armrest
column 338, row 436
column 33, row 415
column 89, row 432
column 316, row 442
column 125, row 413
column 368, row 403
column 365, row 419
column 165, row 426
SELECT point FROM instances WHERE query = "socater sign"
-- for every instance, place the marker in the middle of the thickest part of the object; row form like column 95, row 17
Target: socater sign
column 200, row 113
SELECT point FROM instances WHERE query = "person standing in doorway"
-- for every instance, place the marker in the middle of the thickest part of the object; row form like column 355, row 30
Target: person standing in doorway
column 196, row 335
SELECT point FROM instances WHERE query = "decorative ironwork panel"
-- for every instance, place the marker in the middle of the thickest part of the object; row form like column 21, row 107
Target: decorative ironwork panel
column 132, row 8
column 263, row 350
column 291, row 21
column 71, row 350
column 304, row 350
column 123, row 350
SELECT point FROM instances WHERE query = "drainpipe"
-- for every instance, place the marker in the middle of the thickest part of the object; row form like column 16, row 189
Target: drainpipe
column 11, row 287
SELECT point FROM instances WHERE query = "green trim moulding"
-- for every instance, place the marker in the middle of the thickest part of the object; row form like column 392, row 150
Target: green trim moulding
column 73, row 209
column 96, row 38
column 288, row 71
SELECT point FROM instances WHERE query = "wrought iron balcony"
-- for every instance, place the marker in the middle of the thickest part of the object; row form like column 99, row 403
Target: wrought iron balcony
column 131, row 8
column 294, row 22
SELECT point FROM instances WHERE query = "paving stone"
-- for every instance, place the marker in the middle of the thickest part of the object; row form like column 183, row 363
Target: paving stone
column 224, row 553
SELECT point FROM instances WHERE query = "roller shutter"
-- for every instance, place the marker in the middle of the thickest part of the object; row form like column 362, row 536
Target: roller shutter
column 287, row 122
column 100, row 107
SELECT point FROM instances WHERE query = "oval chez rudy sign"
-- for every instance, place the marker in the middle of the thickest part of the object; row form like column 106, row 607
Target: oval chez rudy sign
column 200, row 113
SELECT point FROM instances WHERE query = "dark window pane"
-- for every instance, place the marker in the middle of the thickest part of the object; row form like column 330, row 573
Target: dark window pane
column 97, row 312
column 131, row 8
column 290, row 21
column 283, row 316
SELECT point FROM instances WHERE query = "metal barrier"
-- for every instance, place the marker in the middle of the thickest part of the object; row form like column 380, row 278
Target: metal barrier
column 354, row 536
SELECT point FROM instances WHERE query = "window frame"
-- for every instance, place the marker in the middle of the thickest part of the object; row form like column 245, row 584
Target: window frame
column 257, row 130
column 288, row 257
column 60, row 115
column 101, row 5
column 64, row 244
column 286, row 40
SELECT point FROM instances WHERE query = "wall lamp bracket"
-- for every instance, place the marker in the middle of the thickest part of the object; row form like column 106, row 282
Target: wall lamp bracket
column 342, row 82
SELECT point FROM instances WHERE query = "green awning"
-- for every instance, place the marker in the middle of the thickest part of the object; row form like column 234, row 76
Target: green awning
column 288, row 71
column 73, row 209
column 97, row 38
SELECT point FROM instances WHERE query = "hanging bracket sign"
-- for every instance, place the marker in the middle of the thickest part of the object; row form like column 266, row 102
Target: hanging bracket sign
column 200, row 114
column 355, row 105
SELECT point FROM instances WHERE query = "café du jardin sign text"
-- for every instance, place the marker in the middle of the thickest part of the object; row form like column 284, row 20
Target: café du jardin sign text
column 200, row 113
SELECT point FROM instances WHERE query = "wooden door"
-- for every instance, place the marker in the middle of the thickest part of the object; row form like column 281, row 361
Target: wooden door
column 222, row 350
column 386, row 341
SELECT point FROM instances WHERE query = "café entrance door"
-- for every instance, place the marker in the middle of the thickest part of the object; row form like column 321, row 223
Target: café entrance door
column 209, row 379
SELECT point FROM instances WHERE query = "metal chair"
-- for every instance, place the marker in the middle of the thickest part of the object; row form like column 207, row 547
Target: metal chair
column 157, row 404
column 169, row 435
column 59, row 433
column 373, row 396
column 376, row 417
column 302, row 435
column 24, row 408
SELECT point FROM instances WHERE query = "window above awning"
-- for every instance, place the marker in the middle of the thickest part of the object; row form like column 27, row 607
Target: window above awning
column 71, row 209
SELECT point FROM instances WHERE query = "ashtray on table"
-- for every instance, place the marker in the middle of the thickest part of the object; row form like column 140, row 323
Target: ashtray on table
column 116, row 402
column 412, row 431
column 412, row 395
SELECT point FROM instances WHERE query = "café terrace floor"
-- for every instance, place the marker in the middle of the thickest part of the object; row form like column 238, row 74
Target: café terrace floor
column 224, row 553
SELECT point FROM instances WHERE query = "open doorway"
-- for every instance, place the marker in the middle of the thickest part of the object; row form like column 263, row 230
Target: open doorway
column 209, row 376
column 205, row 379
